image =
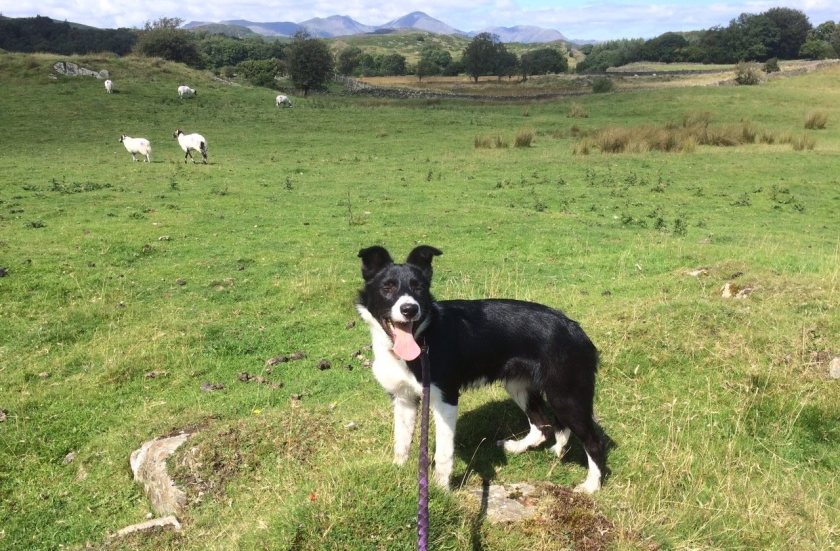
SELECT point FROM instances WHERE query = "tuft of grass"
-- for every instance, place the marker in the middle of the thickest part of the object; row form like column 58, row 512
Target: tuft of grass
column 524, row 138
column 490, row 142
column 803, row 142
column 577, row 111
column 816, row 120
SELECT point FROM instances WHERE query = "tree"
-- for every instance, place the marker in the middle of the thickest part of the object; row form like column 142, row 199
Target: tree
column 756, row 37
column 793, row 28
column 349, row 60
column 816, row 49
column 164, row 39
column 259, row 72
column 506, row 63
column 543, row 61
column 612, row 53
column 666, row 48
column 309, row 62
column 834, row 40
column 480, row 55
column 433, row 61
column 392, row 65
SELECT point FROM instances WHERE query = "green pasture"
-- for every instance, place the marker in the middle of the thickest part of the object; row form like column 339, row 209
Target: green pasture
column 128, row 286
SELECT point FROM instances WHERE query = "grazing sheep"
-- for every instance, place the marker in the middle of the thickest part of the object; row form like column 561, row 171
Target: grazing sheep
column 283, row 100
column 137, row 145
column 191, row 142
column 109, row 86
column 186, row 92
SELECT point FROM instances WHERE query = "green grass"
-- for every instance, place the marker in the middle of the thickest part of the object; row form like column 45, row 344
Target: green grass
column 724, row 420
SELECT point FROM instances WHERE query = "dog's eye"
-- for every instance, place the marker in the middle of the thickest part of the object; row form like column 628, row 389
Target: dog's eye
column 415, row 285
column 389, row 286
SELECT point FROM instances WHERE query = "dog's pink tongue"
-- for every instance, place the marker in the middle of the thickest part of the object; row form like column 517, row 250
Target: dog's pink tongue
column 405, row 346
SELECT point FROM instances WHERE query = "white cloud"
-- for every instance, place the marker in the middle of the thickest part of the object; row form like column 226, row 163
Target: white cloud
column 575, row 19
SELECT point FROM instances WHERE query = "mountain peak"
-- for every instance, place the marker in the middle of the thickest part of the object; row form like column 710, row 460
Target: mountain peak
column 343, row 25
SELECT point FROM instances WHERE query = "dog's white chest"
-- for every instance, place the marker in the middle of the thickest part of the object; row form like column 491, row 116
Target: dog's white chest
column 391, row 372
column 394, row 376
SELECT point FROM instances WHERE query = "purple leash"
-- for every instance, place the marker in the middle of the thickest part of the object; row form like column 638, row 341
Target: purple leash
column 423, row 485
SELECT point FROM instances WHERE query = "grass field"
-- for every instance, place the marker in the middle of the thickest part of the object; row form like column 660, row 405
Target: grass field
column 127, row 286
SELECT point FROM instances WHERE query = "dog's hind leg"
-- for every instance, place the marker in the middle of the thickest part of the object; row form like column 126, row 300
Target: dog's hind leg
column 579, row 419
column 561, row 438
column 405, row 412
column 530, row 402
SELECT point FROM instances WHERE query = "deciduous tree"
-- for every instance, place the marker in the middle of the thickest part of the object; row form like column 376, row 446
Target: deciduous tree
column 309, row 62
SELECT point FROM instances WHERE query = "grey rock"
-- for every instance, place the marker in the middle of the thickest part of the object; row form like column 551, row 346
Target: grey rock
column 834, row 368
column 149, row 526
column 71, row 69
column 506, row 503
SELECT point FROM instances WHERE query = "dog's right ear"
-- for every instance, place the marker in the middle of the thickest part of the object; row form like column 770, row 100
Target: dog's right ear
column 373, row 260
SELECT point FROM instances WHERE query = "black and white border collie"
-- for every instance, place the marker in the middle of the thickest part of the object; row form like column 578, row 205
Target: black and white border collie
column 536, row 352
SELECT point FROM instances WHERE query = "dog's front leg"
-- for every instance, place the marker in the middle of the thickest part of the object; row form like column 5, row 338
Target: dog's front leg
column 405, row 411
column 446, row 416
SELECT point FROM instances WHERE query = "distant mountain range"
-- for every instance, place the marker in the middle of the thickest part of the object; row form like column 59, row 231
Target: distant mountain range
column 341, row 25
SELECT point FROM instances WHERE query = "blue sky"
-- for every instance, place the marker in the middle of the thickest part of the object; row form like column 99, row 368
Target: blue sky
column 581, row 19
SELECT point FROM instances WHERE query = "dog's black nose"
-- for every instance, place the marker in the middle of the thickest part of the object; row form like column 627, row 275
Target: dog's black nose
column 409, row 309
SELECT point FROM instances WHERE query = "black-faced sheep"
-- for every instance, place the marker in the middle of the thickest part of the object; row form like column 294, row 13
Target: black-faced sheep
column 191, row 142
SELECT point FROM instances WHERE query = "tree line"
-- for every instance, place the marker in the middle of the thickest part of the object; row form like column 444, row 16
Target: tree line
column 778, row 33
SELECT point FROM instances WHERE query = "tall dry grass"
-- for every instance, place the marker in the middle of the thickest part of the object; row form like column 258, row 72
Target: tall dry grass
column 694, row 129
column 816, row 120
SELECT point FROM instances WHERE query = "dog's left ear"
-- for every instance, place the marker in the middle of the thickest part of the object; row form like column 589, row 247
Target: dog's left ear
column 373, row 260
column 422, row 256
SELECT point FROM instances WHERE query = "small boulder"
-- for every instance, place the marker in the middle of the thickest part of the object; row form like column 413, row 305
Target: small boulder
column 507, row 503
column 834, row 368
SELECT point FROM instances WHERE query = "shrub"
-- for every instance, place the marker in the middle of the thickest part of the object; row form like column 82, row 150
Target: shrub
column 259, row 72
column 747, row 74
column 601, row 85
column 524, row 138
column 816, row 120
column 772, row 65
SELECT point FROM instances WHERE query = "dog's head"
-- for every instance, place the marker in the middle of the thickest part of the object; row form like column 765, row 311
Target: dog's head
column 397, row 296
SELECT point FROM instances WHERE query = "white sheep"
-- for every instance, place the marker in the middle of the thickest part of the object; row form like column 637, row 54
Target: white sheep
column 186, row 92
column 109, row 86
column 191, row 142
column 283, row 100
column 137, row 145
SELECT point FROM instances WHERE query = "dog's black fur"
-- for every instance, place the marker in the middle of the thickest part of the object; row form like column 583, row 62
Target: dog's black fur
column 471, row 342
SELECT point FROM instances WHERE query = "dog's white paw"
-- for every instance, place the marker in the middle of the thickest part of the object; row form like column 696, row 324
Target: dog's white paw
column 513, row 446
column 441, row 480
column 400, row 459
column 588, row 486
